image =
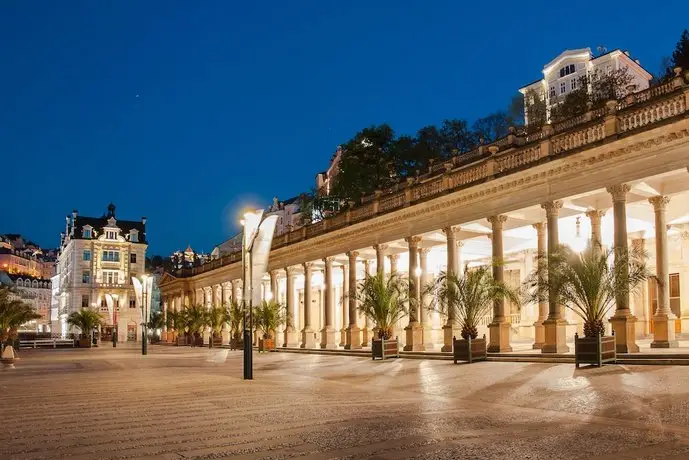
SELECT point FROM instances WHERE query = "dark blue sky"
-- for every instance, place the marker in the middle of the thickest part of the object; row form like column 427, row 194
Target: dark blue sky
column 241, row 101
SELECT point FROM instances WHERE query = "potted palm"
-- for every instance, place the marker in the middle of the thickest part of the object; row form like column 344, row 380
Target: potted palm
column 179, row 320
column 196, row 322
column 13, row 313
column 588, row 284
column 382, row 299
column 235, row 318
column 86, row 320
column 268, row 317
column 470, row 297
column 155, row 324
column 217, row 317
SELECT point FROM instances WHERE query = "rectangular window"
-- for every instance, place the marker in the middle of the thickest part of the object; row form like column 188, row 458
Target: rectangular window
column 111, row 256
column 573, row 84
column 552, row 91
column 132, row 303
column 571, row 68
column 87, row 233
column 563, row 88
column 111, row 235
column 134, row 238
column 85, row 301
column 86, row 277
column 132, row 258
column 87, row 254
column 111, row 277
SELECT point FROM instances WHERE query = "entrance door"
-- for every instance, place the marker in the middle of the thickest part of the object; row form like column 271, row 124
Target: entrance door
column 674, row 300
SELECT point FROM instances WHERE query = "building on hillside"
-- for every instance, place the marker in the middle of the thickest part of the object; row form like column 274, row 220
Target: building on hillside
column 34, row 291
column 98, row 258
column 326, row 179
column 188, row 258
column 22, row 257
column 563, row 74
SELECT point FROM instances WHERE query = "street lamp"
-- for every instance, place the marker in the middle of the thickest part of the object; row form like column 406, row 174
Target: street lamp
column 141, row 287
column 250, row 225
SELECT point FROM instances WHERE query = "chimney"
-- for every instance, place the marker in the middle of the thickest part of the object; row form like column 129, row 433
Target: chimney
column 75, row 213
column 143, row 220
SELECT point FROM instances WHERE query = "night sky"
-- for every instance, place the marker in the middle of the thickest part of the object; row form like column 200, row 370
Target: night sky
column 186, row 111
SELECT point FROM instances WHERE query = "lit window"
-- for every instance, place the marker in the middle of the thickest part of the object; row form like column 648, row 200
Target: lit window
column 132, row 303
column 573, row 84
column 111, row 235
column 86, row 277
column 85, row 301
column 87, row 254
column 111, row 277
column 563, row 88
column 132, row 258
column 134, row 238
column 87, row 233
column 111, row 256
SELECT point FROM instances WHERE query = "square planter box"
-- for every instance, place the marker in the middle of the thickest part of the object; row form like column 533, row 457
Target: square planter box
column 217, row 341
column 384, row 349
column 469, row 350
column 594, row 350
column 198, row 341
column 85, row 343
column 266, row 345
column 236, row 344
column 181, row 340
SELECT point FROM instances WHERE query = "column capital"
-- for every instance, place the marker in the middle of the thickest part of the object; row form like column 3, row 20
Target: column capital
column 595, row 213
column 497, row 220
column 328, row 260
column 619, row 191
column 393, row 257
column 424, row 251
column 291, row 270
column 352, row 255
column 552, row 208
column 307, row 266
column 659, row 202
column 413, row 240
column 275, row 273
column 381, row 247
column 539, row 226
column 451, row 231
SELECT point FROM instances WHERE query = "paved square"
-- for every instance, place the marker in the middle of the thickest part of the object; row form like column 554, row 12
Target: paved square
column 192, row 403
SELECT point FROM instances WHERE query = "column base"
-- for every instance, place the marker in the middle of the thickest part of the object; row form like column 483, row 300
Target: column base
column 225, row 336
column 427, row 337
column 664, row 332
column 539, row 335
column 555, row 332
column 499, row 341
column 414, row 333
column 353, row 338
column 624, row 327
column 290, row 338
column 449, row 332
column 206, row 337
column 366, row 337
column 328, row 338
column 343, row 337
column 307, row 340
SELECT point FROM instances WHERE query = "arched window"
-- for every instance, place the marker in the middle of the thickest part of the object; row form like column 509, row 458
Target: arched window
column 20, row 282
column 35, row 283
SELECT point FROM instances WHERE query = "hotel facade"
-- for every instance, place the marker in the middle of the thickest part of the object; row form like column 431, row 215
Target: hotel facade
column 617, row 175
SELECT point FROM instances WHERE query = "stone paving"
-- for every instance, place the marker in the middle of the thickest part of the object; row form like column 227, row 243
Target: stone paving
column 192, row 403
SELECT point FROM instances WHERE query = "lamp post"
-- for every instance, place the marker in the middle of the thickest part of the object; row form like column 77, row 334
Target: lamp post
column 250, row 223
column 142, row 287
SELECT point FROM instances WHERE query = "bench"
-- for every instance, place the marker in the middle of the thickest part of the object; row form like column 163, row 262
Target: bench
column 45, row 342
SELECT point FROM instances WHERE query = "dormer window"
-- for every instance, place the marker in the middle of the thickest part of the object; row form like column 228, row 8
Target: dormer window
column 110, row 235
column 86, row 233
column 566, row 70
column 134, row 236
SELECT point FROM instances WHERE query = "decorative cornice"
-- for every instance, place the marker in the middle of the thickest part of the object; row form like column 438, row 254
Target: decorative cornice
column 619, row 192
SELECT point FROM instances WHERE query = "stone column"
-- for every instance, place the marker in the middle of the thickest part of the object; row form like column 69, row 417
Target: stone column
column 343, row 307
column 393, row 263
column 595, row 217
column 424, row 314
column 623, row 322
column 499, row 328
column 290, row 333
column 664, row 319
column 353, row 340
column 414, row 331
column 380, row 258
column 328, row 331
column 274, row 286
column 555, row 326
column 367, row 333
column 450, row 329
column 542, row 264
column 307, row 340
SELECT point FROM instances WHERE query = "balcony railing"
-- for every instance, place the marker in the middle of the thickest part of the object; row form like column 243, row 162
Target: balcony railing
column 508, row 155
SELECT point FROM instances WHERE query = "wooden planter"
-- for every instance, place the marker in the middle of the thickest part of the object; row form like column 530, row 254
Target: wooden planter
column 384, row 349
column 181, row 340
column 469, row 350
column 198, row 341
column 236, row 344
column 85, row 343
column 217, row 341
column 266, row 345
column 594, row 350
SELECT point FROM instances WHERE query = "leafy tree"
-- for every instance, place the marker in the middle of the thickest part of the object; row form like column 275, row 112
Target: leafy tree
column 456, row 138
column 314, row 207
column 268, row 316
column 610, row 86
column 382, row 299
column 196, row 320
column 536, row 111
column 216, row 318
column 492, row 127
column 13, row 313
column 680, row 56
column 235, row 318
column 469, row 296
column 575, row 103
column 86, row 320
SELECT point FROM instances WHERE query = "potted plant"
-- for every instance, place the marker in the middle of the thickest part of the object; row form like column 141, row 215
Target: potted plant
column 196, row 319
column 86, row 320
column 170, row 325
column 235, row 318
column 156, row 324
column 588, row 284
column 217, row 317
column 268, row 317
column 13, row 313
column 382, row 299
column 470, row 297
column 179, row 320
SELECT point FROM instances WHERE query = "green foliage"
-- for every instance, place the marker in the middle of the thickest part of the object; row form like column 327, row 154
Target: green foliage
column 217, row 316
column 268, row 317
column 235, row 316
column 315, row 207
column 588, row 283
column 382, row 299
column 178, row 321
column 157, row 320
column 13, row 313
column 196, row 319
column 468, row 297
column 680, row 56
column 492, row 127
column 86, row 320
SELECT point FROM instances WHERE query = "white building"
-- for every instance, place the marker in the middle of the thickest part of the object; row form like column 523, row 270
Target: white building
column 98, row 258
column 563, row 74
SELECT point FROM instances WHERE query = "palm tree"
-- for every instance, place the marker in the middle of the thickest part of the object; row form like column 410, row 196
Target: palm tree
column 86, row 320
column 178, row 322
column 13, row 313
column 216, row 318
column 196, row 320
column 156, row 322
column 470, row 296
column 235, row 317
column 268, row 317
column 589, row 282
column 383, row 299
